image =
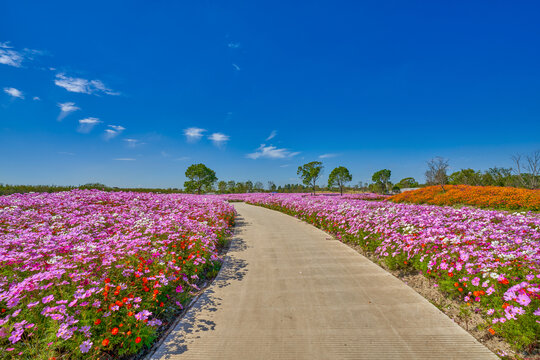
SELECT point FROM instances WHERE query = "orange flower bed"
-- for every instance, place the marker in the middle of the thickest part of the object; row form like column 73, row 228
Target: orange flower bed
column 494, row 197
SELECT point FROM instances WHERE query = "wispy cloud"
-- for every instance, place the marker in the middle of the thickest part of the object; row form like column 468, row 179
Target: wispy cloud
column 236, row 67
column 193, row 134
column 14, row 92
column 124, row 159
column 272, row 135
column 36, row 98
column 66, row 109
column 284, row 165
column 183, row 158
column 271, row 152
column 80, row 85
column 327, row 156
column 86, row 125
column 113, row 132
column 11, row 57
column 233, row 45
column 219, row 139
column 131, row 143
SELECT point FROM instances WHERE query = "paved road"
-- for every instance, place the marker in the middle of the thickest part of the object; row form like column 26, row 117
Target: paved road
column 288, row 292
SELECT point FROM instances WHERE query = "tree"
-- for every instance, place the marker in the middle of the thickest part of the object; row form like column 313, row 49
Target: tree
column 258, row 187
column 310, row 173
column 528, row 171
column 271, row 186
column 466, row 177
column 231, row 186
column 436, row 172
column 382, row 177
column 408, row 182
column 222, row 187
column 497, row 177
column 249, row 186
column 199, row 177
column 339, row 177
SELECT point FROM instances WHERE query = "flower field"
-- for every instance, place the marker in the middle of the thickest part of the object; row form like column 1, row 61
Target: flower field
column 494, row 197
column 489, row 260
column 87, row 273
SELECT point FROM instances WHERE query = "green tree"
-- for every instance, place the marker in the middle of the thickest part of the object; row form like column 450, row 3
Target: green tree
column 408, row 182
column 310, row 173
column 339, row 177
column 272, row 186
column 497, row 177
column 249, row 186
column 222, row 187
column 200, row 177
column 465, row 177
column 382, row 177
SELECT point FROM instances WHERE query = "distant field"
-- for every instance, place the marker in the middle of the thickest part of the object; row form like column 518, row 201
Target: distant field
column 495, row 197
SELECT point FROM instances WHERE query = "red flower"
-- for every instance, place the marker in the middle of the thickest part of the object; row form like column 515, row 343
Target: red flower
column 138, row 339
column 105, row 342
column 107, row 280
column 97, row 322
column 114, row 331
column 450, row 274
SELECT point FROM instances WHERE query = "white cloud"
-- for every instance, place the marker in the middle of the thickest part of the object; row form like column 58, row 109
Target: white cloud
column 36, row 98
column 327, row 156
column 113, row 132
column 193, row 134
column 219, row 139
column 233, row 45
column 236, row 67
column 125, row 159
column 132, row 143
column 271, row 152
column 80, row 85
column 14, row 92
column 66, row 109
column 11, row 57
column 272, row 135
column 86, row 125
column 183, row 158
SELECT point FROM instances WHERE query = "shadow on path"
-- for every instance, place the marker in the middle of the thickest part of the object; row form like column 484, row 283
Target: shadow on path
column 199, row 317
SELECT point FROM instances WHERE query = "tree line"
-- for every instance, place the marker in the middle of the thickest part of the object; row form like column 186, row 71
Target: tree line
column 201, row 179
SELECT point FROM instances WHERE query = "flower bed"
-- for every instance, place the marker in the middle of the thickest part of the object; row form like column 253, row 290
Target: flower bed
column 494, row 197
column 488, row 259
column 87, row 272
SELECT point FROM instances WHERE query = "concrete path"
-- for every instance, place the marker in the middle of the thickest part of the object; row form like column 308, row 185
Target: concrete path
column 286, row 291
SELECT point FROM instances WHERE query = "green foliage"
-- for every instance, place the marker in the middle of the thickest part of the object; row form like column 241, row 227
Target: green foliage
column 222, row 187
column 339, row 177
column 21, row 189
column 382, row 177
column 466, row 177
column 407, row 182
column 200, row 178
column 310, row 173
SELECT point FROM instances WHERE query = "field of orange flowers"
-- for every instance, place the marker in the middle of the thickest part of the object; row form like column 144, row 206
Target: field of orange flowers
column 480, row 196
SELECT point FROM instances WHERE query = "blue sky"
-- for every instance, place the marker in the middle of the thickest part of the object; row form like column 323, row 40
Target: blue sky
column 131, row 93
